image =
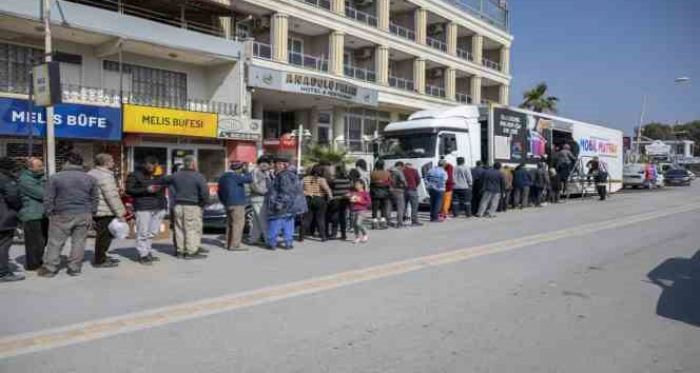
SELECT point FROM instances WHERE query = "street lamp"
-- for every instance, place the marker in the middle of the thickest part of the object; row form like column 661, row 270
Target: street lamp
column 678, row 80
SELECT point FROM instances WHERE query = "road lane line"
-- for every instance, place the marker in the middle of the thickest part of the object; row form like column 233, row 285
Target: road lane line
column 19, row 344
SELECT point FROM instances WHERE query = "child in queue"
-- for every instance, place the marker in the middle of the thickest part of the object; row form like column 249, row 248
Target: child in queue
column 360, row 202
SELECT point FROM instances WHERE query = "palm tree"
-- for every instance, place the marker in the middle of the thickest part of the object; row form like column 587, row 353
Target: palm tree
column 537, row 100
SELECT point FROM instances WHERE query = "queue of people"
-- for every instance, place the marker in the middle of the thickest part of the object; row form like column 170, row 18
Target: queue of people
column 283, row 203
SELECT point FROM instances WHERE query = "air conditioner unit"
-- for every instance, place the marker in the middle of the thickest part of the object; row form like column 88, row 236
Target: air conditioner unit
column 436, row 73
column 436, row 30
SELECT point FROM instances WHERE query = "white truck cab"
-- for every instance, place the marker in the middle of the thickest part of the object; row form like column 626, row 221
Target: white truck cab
column 429, row 135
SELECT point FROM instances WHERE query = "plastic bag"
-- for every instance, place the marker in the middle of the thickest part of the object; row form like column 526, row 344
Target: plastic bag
column 118, row 229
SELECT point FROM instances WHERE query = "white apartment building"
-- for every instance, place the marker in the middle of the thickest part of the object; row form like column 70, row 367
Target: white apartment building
column 341, row 68
column 393, row 56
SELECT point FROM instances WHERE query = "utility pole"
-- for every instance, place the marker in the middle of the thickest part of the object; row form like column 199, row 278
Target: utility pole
column 50, row 133
column 641, row 123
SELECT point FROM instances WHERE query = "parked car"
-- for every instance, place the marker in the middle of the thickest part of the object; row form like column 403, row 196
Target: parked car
column 633, row 175
column 214, row 216
column 677, row 177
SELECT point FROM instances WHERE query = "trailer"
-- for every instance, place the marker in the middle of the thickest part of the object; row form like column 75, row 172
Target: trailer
column 497, row 133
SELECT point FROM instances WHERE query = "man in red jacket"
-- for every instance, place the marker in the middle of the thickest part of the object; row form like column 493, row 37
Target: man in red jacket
column 411, row 193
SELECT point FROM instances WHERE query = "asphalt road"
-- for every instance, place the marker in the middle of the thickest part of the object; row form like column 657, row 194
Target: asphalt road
column 583, row 286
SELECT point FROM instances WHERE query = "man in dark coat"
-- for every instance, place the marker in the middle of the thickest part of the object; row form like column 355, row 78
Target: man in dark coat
column 477, row 174
column 284, row 201
column 9, row 206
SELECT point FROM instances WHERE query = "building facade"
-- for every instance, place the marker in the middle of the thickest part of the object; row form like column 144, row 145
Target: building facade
column 224, row 79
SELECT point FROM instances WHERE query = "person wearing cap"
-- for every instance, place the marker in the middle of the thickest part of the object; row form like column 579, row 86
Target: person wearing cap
column 284, row 201
column 232, row 195
column 190, row 193
column 144, row 185
column 262, row 178
column 435, row 182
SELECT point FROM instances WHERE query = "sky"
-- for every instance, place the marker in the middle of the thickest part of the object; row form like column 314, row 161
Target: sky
column 600, row 57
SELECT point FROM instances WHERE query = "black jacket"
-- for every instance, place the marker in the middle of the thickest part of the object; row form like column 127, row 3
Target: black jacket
column 137, row 187
column 493, row 181
column 189, row 188
column 10, row 203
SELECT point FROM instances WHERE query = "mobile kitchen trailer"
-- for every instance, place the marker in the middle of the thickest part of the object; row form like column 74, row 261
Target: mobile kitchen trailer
column 497, row 133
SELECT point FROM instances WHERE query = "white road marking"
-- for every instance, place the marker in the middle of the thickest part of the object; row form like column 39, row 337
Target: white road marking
column 19, row 344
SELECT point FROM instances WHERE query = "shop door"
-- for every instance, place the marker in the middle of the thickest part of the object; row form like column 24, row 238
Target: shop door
column 142, row 152
column 177, row 158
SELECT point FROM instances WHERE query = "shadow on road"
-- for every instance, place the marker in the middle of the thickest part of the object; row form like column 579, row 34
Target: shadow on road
column 680, row 280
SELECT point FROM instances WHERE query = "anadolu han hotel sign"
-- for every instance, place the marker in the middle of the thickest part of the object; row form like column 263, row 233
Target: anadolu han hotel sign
column 311, row 85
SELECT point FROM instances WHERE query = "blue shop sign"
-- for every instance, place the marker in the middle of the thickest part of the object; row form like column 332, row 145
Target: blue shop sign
column 72, row 121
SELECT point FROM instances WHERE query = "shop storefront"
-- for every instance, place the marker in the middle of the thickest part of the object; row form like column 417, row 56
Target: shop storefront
column 85, row 129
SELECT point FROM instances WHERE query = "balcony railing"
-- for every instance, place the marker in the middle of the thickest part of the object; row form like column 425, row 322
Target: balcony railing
column 435, row 91
column 262, row 50
column 325, row 4
column 494, row 12
column 360, row 73
column 401, row 31
column 360, row 16
column 463, row 98
column 74, row 93
column 309, row 62
column 401, row 83
column 491, row 64
column 436, row 43
column 464, row 54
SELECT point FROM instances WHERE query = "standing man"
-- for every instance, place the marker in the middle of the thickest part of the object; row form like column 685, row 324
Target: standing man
column 539, row 183
column 35, row 223
column 70, row 200
column 9, row 206
column 258, row 189
column 109, row 206
column 232, row 196
column 508, row 178
column 564, row 163
column 462, row 193
column 190, row 195
column 413, row 180
column 148, row 192
column 477, row 174
column 522, row 181
column 493, row 187
column 284, row 202
column 435, row 183
column 398, row 192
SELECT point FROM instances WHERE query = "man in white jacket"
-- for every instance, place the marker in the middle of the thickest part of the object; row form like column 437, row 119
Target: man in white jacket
column 110, row 206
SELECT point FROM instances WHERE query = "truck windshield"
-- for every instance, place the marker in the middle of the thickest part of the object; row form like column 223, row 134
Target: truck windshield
column 415, row 145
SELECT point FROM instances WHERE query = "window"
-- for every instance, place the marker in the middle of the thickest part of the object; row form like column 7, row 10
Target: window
column 149, row 86
column 15, row 65
column 363, row 122
column 296, row 51
column 448, row 143
column 324, row 128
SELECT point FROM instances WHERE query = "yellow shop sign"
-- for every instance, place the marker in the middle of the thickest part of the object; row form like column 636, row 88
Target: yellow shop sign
column 146, row 119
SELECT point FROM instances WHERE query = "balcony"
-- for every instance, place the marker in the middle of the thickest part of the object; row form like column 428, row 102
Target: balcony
column 308, row 62
column 491, row 64
column 494, row 12
column 360, row 16
column 359, row 73
column 401, row 83
column 436, row 43
column 262, row 50
column 401, row 31
column 325, row 4
column 72, row 93
column 464, row 54
column 434, row 91
column 463, row 98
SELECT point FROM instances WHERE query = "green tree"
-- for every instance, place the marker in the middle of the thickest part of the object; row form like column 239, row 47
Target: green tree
column 658, row 131
column 322, row 153
column 537, row 100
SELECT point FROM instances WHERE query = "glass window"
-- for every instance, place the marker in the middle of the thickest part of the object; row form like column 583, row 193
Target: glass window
column 141, row 152
column 448, row 143
column 211, row 163
column 15, row 66
column 324, row 135
column 416, row 145
column 151, row 86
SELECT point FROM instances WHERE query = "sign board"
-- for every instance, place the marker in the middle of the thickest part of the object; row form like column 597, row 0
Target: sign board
column 239, row 128
column 46, row 84
column 311, row 85
column 72, row 121
column 657, row 147
column 146, row 119
column 519, row 137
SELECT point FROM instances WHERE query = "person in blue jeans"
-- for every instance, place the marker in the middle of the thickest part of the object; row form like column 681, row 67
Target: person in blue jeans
column 283, row 202
column 435, row 182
